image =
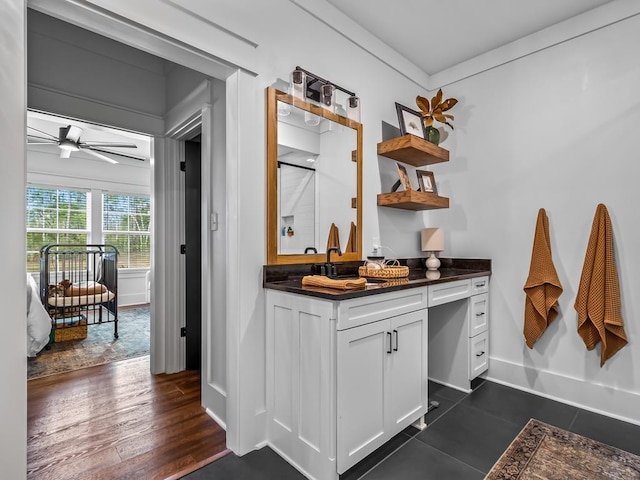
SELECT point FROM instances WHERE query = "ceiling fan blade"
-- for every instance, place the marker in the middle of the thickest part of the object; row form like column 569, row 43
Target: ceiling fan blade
column 53, row 137
column 64, row 153
column 133, row 157
column 74, row 133
column 99, row 155
column 35, row 140
column 108, row 144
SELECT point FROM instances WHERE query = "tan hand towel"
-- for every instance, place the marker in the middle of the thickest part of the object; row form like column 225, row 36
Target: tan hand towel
column 334, row 237
column 598, row 299
column 543, row 286
column 322, row 281
column 353, row 239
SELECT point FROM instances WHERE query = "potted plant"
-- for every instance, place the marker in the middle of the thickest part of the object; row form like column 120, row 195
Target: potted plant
column 434, row 111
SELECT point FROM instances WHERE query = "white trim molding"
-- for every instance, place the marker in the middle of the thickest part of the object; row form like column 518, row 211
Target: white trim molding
column 565, row 31
column 582, row 24
column 602, row 399
column 123, row 28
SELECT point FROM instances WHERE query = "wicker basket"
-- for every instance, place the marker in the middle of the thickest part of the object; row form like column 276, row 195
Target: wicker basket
column 388, row 270
column 64, row 333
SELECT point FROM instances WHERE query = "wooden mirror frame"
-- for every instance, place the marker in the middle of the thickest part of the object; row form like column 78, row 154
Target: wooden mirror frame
column 273, row 257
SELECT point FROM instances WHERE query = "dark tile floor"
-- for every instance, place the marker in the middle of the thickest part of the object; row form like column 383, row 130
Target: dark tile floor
column 465, row 436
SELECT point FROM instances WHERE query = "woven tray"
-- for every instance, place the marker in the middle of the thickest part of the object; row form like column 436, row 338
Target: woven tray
column 388, row 271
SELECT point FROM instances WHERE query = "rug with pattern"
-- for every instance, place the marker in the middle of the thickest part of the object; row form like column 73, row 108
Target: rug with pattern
column 542, row 451
column 98, row 348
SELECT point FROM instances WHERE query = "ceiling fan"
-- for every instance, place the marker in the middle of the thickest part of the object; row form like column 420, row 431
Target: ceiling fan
column 68, row 140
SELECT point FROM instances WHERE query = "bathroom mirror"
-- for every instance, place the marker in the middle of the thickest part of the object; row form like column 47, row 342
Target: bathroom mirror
column 314, row 182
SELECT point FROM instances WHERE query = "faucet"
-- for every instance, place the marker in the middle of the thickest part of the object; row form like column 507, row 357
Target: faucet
column 330, row 268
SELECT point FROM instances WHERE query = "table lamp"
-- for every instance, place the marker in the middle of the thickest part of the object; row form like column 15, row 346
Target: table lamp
column 432, row 241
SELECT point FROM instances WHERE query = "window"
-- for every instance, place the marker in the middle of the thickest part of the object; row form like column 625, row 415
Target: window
column 54, row 216
column 125, row 224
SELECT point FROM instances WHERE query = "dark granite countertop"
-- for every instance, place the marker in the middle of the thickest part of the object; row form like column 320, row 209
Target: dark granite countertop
column 288, row 278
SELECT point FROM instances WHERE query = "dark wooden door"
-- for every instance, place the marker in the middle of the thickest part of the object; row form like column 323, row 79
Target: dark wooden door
column 193, row 229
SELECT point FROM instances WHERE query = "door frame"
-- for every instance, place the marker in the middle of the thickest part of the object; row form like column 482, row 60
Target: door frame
column 240, row 86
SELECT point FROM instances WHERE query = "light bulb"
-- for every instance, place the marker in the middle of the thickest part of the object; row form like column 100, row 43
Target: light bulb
column 298, row 84
column 327, row 97
column 311, row 119
column 284, row 109
column 353, row 108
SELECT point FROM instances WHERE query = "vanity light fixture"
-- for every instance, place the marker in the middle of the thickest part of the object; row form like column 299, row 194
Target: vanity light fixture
column 432, row 240
column 306, row 85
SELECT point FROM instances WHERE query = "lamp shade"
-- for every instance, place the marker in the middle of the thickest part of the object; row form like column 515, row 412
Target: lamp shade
column 432, row 239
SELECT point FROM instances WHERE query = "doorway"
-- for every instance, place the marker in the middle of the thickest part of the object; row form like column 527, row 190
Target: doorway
column 193, row 247
column 219, row 162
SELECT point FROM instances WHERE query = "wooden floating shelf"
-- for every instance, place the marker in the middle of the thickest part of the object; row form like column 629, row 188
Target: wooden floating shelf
column 412, row 200
column 413, row 151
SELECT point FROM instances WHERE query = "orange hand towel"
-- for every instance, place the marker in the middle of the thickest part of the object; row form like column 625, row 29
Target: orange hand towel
column 334, row 237
column 353, row 240
column 598, row 299
column 322, row 281
column 543, row 286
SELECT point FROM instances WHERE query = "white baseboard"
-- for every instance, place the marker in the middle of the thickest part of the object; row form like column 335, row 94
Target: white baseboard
column 216, row 419
column 601, row 399
column 132, row 299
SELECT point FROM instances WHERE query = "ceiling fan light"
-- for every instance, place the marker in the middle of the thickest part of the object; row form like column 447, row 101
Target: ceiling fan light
column 68, row 145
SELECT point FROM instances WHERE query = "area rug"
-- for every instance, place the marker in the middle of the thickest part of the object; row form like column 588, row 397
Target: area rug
column 542, row 451
column 98, row 348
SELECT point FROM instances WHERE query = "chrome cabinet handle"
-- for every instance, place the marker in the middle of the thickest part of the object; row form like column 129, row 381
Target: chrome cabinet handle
column 480, row 354
column 389, row 338
column 395, row 332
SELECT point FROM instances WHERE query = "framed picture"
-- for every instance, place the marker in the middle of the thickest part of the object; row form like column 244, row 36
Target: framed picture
column 404, row 176
column 410, row 121
column 426, row 181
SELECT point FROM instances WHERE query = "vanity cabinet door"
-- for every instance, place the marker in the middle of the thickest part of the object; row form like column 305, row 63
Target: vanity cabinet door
column 382, row 383
column 362, row 376
column 408, row 370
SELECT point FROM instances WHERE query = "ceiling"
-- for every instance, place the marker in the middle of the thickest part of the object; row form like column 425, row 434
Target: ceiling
column 91, row 133
column 435, row 34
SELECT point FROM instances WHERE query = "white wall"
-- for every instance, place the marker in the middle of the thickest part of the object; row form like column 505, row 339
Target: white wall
column 13, row 359
column 556, row 129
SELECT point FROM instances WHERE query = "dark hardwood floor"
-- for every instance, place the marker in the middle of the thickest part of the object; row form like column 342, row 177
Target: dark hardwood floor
column 117, row 421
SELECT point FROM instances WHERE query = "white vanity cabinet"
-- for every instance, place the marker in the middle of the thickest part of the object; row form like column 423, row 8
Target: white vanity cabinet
column 343, row 377
column 459, row 332
column 382, row 388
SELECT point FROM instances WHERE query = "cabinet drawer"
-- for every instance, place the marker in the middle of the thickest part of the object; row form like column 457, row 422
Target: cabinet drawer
column 360, row 311
column 479, row 285
column 479, row 311
column 478, row 354
column 448, row 292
